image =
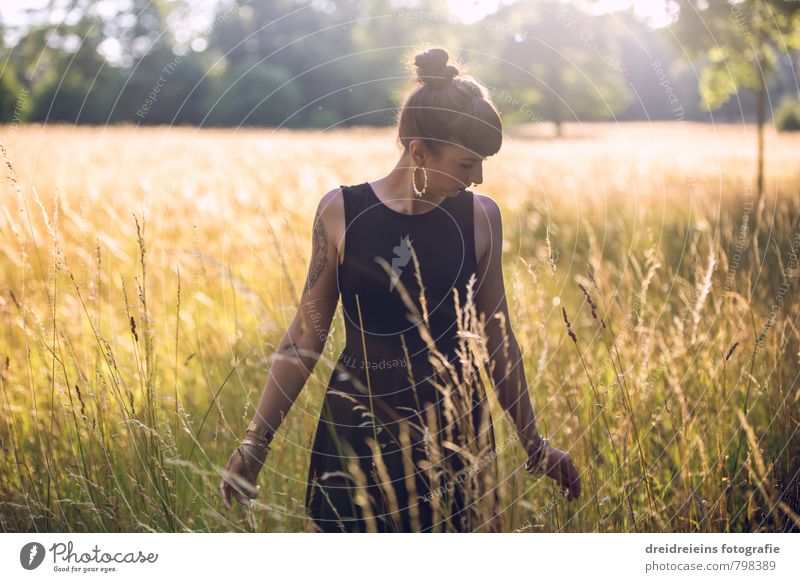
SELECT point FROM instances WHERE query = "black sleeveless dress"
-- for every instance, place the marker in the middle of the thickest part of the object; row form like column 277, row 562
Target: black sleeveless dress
column 399, row 445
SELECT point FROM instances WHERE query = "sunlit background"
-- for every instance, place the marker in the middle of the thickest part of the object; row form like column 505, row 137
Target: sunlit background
column 300, row 64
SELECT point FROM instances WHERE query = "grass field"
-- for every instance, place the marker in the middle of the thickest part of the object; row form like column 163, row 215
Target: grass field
column 148, row 275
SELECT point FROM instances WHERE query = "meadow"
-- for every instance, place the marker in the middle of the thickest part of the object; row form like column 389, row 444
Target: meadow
column 149, row 274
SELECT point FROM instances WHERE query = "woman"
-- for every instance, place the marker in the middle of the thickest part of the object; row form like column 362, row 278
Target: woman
column 405, row 439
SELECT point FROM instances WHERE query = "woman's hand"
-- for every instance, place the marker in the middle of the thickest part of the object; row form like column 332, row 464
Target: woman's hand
column 558, row 465
column 240, row 475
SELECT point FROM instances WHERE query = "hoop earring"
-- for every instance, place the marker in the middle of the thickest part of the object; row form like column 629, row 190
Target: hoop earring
column 419, row 193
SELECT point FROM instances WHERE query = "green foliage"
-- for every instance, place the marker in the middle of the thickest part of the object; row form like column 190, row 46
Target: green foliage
column 342, row 63
column 252, row 93
column 787, row 116
column 741, row 43
column 567, row 64
column 14, row 98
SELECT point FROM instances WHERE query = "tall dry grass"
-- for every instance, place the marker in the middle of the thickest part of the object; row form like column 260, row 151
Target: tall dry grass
column 149, row 274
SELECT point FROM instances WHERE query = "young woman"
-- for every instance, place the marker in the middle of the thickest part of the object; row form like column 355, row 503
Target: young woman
column 405, row 440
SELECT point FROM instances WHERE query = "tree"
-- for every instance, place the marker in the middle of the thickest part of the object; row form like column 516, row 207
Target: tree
column 742, row 42
column 567, row 62
column 67, row 74
column 243, row 95
column 13, row 96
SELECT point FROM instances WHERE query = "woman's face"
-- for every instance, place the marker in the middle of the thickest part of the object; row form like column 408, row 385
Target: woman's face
column 455, row 169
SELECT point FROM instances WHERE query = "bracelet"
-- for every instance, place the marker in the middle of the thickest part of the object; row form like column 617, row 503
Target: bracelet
column 263, row 434
column 259, row 445
column 534, row 462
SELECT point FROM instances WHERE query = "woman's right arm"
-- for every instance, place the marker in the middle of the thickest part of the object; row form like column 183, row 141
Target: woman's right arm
column 299, row 349
column 302, row 344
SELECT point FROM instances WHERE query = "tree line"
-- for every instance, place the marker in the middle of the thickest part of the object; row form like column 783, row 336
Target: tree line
column 327, row 63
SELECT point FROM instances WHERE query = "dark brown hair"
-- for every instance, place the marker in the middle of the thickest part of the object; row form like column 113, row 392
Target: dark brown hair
column 447, row 107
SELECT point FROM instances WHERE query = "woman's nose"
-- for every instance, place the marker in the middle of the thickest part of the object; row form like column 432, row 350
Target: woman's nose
column 478, row 179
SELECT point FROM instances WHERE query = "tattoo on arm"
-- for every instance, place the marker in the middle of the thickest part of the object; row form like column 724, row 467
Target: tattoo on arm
column 319, row 254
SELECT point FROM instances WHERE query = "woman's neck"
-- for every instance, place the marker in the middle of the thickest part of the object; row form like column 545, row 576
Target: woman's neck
column 396, row 190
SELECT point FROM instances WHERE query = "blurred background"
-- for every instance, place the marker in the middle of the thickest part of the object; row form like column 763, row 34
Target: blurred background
column 338, row 62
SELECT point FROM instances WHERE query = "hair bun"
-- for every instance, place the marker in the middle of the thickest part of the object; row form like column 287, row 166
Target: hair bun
column 432, row 68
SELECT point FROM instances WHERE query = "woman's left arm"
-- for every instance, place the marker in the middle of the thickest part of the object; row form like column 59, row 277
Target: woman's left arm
column 505, row 364
column 505, row 359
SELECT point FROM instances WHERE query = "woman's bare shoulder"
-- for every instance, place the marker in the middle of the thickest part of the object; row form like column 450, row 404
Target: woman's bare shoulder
column 333, row 198
column 487, row 220
column 486, row 205
column 331, row 211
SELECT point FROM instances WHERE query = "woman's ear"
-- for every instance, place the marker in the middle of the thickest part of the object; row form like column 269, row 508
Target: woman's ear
column 418, row 152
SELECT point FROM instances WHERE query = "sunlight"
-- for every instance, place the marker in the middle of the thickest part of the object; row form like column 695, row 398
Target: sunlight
column 470, row 11
column 657, row 13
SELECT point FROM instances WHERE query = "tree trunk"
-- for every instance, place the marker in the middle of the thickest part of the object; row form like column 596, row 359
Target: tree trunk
column 759, row 207
column 760, row 114
column 559, row 131
column 555, row 103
